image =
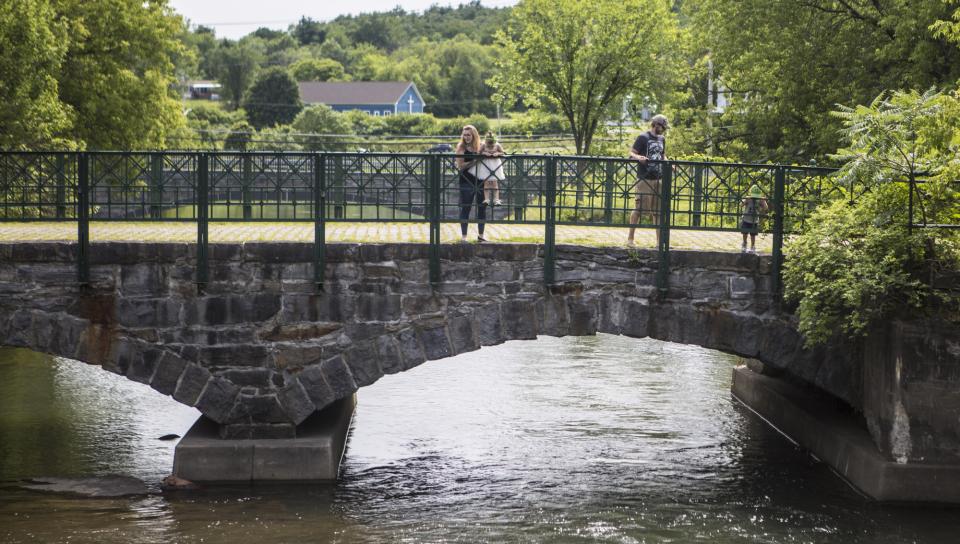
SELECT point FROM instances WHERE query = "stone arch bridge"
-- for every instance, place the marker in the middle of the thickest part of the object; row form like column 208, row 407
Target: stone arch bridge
column 258, row 349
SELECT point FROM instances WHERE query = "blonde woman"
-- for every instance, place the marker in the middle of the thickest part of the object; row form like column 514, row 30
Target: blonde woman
column 471, row 190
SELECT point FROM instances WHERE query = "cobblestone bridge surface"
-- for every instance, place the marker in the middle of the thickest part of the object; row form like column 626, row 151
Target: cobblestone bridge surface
column 365, row 233
column 259, row 350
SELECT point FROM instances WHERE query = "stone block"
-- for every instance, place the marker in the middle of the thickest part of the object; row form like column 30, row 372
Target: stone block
column 261, row 378
column 169, row 370
column 148, row 312
column 635, row 318
column 217, row 399
column 191, row 384
column 330, row 306
column 229, row 309
column 380, row 271
column 143, row 279
column 272, row 252
column 291, row 355
column 436, row 344
column 388, row 352
column 500, row 272
column 488, row 325
column 410, row 348
column 612, row 275
column 417, row 305
column 462, row 336
column 610, row 314
column 552, row 316
column 519, row 319
column 362, row 360
column 583, row 315
column 255, row 408
column 142, row 365
column 296, row 271
column 373, row 307
column 46, row 274
column 295, row 401
column 338, row 377
column 316, row 386
column 234, row 355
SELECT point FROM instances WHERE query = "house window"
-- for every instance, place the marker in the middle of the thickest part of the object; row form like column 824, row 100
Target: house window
column 386, row 112
column 376, row 112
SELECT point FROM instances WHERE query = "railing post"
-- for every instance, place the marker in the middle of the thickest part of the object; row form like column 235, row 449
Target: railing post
column 697, row 194
column 61, row 186
column 83, row 219
column 156, row 185
column 339, row 181
column 434, row 210
column 779, row 190
column 550, row 229
column 247, row 175
column 203, row 209
column 319, row 219
column 663, row 248
column 608, row 192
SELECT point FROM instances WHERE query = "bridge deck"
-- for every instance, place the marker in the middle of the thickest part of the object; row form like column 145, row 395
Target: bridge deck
column 366, row 232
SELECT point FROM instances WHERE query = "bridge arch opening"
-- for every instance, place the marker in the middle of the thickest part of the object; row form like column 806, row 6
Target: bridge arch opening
column 583, row 418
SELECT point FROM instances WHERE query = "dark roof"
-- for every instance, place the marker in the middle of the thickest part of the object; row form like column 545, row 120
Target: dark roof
column 352, row 92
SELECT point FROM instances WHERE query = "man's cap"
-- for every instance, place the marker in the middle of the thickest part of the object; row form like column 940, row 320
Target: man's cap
column 660, row 119
column 755, row 192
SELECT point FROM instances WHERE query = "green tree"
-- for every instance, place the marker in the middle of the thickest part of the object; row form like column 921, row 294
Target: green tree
column 33, row 45
column 788, row 62
column 583, row 57
column 235, row 64
column 858, row 263
column 307, row 31
column 239, row 137
column 118, row 73
column 273, row 99
column 362, row 122
column 317, row 70
column 322, row 128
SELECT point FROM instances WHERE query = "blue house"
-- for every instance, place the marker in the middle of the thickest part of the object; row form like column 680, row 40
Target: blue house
column 373, row 97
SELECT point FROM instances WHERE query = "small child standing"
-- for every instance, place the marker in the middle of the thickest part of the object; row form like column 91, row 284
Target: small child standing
column 754, row 205
column 491, row 169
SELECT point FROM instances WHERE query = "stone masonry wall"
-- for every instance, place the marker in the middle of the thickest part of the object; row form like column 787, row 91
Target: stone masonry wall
column 259, row 350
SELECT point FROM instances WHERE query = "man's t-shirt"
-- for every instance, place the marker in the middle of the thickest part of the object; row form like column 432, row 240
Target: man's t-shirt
column 652, row 147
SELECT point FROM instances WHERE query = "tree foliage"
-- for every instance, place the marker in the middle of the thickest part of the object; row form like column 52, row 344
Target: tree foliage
column 235, row 64
column 788, row 62
column 584, row 57
column 273, row 99
column 321, row 120
column 317, row 70
column 33, row 45
column 858, row 262
column 118, row 74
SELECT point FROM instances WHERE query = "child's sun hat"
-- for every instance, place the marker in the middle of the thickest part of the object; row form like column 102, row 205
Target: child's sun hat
column 755, row 192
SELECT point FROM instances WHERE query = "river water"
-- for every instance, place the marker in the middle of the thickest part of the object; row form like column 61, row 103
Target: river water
column 598, row 439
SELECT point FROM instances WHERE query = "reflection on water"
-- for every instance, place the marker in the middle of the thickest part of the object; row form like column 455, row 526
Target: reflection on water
column 558, row 440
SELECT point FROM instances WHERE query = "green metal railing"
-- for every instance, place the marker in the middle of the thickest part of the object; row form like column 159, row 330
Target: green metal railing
column 546, row 190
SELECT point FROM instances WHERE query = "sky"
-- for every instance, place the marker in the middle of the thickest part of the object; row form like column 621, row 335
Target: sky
column 237, row 18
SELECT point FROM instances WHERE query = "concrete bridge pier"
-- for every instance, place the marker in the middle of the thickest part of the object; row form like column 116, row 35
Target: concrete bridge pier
column 313, row 455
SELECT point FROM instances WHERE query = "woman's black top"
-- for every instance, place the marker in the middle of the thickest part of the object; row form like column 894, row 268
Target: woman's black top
column 468, row 156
